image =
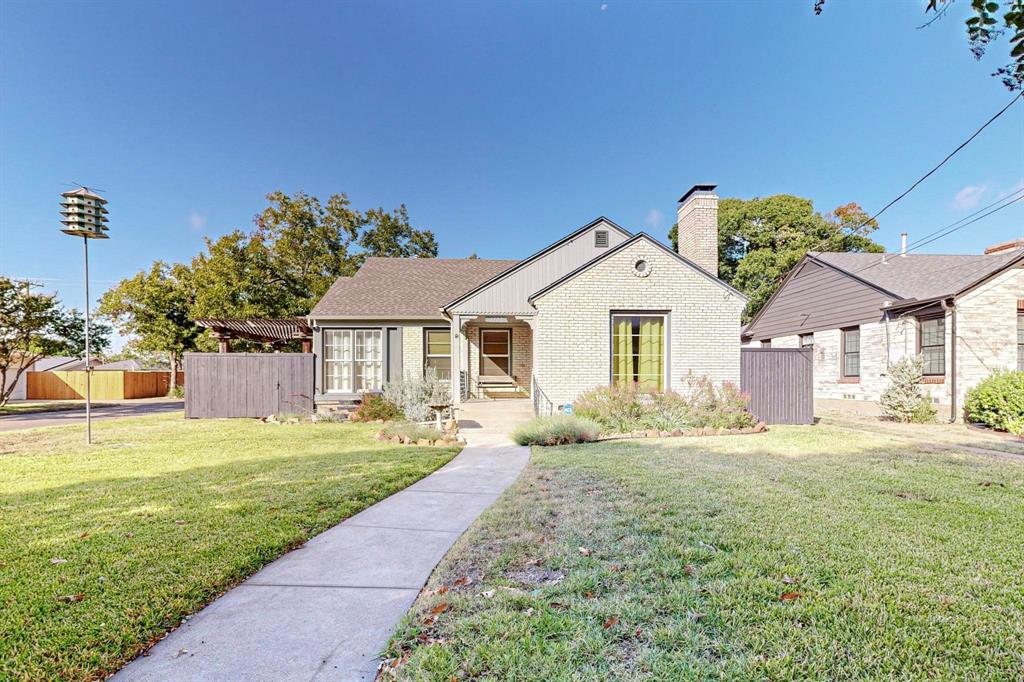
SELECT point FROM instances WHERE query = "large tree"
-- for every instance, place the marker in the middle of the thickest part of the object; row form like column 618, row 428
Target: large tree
column 298, row 247
column 33, row 326
column 761, row 239
column 153, row 308
column 988, row 21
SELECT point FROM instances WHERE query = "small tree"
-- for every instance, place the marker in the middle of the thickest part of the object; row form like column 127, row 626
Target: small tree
column 33, row 326
column 903, row 400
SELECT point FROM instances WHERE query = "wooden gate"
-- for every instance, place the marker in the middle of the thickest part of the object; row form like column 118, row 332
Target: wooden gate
column 248, row 384
column 780, row 382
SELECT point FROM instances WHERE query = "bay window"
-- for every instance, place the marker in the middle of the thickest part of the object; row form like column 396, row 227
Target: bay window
column 353, row 360
column 638, row 351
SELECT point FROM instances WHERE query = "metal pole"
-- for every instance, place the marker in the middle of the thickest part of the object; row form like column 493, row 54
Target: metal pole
column 88, row 354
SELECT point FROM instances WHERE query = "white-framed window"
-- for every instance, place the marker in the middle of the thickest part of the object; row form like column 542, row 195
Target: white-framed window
column 850, row 357
column 353, row 360
column 437, row 352
column 807, row 340
column 766, row 343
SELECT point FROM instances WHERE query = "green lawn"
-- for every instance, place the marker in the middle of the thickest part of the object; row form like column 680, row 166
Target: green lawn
column 104, row 549
column 804, row 553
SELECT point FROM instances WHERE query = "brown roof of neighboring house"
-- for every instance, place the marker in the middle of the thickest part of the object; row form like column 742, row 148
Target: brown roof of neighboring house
column 919, row 276
column 405, row 287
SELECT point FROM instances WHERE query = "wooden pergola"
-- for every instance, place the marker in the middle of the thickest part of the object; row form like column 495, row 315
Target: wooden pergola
column 274, row 331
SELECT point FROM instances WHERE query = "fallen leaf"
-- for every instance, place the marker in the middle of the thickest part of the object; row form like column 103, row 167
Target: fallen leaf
column 585, row 552
column 129, row 535
column 638, row 631
column 694, row 616
column 688, row 569
column 441, row 590
column 180, row 522
column 529, row 612
column 533, row 562
column 83, row 535
column 788, row 580
column 616, row 568
column 611, row 622
column 429, row 620
column 180, row 652
column 790, row 596
column 588, row 595
column 621, row 537
column 58, row 561
column 487, row 594
column 439, row 609
column 69, row 598
column 464, row 580
column 556, row 605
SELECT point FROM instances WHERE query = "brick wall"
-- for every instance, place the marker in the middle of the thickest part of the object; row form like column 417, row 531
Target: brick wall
column 412, row 352
column 698, row 230
column 573, row 344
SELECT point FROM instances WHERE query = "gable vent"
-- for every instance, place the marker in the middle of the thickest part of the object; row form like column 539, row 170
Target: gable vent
column 601, row 239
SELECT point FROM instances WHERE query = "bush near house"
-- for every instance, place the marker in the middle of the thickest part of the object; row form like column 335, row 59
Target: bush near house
column 413, row 396
column 412, row 431
column 558, row 429
column 704, row 405
column 375, row 407
column 903, row 400
column 998, row 402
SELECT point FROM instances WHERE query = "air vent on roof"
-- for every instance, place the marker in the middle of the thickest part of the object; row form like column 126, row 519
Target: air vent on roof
column 601, row 239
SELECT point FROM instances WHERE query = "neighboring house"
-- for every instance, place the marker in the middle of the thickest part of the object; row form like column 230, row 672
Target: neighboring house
column 863, row 311
column 599, row 306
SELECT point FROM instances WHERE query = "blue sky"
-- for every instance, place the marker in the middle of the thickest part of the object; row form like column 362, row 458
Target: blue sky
column 501, row 125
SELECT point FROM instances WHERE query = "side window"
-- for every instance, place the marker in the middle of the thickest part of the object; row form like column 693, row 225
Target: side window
column 437, row 352
column 850, row 357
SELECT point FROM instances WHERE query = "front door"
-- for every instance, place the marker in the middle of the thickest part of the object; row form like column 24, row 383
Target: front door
column 495, row 352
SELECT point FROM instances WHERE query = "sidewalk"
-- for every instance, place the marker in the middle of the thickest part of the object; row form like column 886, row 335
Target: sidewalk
column 325, row 610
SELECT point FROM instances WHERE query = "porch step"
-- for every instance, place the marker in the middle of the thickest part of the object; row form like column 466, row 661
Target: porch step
column 513, row 392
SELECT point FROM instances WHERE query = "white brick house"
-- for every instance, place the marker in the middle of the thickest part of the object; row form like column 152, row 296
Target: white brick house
column 599, row 306
column 861, row 312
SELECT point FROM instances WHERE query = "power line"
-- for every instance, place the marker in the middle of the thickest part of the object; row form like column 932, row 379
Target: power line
column 932, row 171
column 916, row 243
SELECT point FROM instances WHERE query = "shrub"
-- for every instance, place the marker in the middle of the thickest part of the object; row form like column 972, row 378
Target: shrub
column 412, row 431
column 375, row 406
column 704, row 404
column 616, row 408
column 414, row 395
column 558, row 429
column 998, row 402
column 176, row 392
column 719, row 407
column 903, row 400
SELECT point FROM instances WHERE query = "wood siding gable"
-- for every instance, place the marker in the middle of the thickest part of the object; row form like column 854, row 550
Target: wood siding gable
column 817, row 297
column 509, row 294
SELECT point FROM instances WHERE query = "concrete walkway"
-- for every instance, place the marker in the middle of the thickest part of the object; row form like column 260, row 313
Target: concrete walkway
column 325, row 611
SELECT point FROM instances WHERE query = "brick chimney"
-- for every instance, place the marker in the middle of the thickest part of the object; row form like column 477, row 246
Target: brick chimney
column 1005, row 246
column 697, row 221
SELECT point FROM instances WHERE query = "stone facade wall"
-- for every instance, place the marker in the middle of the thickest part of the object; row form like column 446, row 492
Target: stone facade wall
column 522, row 354
column 986, row 328
column 697, row 222
column 573, row 328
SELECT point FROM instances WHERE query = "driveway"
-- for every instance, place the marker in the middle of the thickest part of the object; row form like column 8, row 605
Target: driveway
column 77, row 416
column 326, row 610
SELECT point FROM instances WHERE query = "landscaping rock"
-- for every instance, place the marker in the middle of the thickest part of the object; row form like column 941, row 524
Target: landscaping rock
column 406, row 440
column 424, row 442
column 676, row 433
column 761, row 427
column 664, row 434
column 652, row 433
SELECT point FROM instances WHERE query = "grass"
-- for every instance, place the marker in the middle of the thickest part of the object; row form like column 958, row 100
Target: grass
column 804, row 553
column 29, row 408
column 102, row 550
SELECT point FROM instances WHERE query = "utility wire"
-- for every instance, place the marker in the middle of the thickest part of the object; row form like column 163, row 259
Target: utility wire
column 932, row 171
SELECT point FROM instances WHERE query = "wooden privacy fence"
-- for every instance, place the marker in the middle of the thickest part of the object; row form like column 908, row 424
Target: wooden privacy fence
column 247, row 384
column 106, row 384
column 780, row 382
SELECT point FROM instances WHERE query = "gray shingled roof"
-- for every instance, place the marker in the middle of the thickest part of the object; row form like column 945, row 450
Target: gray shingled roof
column 919, row 276
column 406, row 287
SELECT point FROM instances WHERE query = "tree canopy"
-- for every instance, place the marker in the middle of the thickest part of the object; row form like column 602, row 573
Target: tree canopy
column 297, row 248
column 33, row 326
column 761, row 239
